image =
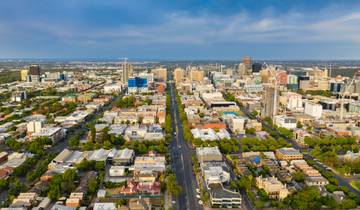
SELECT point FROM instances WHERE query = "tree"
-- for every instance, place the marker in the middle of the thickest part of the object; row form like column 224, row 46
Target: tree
column 307, row 198
column 348, row 204
column 107, row 145
column 250, row 131
column 54, row 192
column 92, row 185
column 140, row 119
column 13, row 144
column 298, row 176
column 244, row 183
column 74, row 141
column 172, row 186
column 86, row 165
column 100, row 166
column 126, row 102
column 4, row 184
column 93, row 133
column 299, row 124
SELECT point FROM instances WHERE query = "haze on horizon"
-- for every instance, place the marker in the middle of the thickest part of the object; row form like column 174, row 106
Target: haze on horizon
column 159, row 29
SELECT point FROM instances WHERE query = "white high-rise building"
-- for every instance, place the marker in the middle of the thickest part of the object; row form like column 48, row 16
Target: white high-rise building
column 35, row 126
column 313, row 109
column 294, row 101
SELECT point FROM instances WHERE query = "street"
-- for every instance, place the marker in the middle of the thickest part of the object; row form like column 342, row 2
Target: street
column 181, row 156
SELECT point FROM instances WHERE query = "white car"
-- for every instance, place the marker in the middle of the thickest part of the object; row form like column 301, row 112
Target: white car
column 198, row 196
column 197, row 190
column 200, row 202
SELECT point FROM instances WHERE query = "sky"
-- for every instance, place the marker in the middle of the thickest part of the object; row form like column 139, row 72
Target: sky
column 180, row 29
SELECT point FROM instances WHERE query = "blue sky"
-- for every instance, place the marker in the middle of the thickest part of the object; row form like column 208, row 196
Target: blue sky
column 184, row 29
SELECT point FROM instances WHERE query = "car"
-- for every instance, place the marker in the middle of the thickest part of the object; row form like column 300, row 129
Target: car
column 197, row 190
column 200, row 202
column 173, row 202
column 198, row 196
column 175, row 133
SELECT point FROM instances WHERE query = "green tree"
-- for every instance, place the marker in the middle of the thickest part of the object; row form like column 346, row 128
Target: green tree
column 92, row 185
column 299, row 124
column 298, row 176
column 172, row 186
column 100, row 166
column 307, row 198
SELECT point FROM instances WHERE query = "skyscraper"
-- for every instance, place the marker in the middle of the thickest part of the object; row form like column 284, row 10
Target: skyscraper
column 241, row 69
column 160, row 74
column 126, row 71
column 256, row 67
column 196, row 75
column 34, row 73
column 246, row 60
column 24, row 74
column 269, row 102
column 178, row 74
column 34, row 70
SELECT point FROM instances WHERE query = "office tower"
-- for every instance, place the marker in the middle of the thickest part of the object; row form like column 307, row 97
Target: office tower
column 24, row 74
column 34, row 73
column 160, row 74
column 313, row 109
column 178, row 74
column 256, row 67
column 241, row 69
column 137, row 84
column 126, row 71
column 196, row 75
column 269, row 103
column 282, row 77
column 302, row 81
column 336, row 86
column 292, row 82
column 34, row 70
column 247, row 61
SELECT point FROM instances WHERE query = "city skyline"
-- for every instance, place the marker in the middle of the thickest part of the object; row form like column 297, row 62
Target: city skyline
column 181, row 30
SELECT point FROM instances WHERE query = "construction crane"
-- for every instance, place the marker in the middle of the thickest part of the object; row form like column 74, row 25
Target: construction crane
column 346, row 90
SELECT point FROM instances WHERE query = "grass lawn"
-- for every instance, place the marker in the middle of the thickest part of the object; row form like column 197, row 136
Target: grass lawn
column 355, row 184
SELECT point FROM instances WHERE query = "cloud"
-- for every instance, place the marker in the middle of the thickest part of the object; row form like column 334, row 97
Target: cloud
column 175, row 28
column 185, row 28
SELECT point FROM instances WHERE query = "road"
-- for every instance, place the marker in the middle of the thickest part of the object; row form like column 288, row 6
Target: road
column 181, row 164
column 342, row 181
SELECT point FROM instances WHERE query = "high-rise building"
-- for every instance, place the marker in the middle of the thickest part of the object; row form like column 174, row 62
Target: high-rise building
column 292, row 82
column 34, row 70
column 247, row 61
column 282, row 77
column 256, row 67
column 126, row 71
column 24, row 74
column 269, row 103
column 137, row 84
column 336, row 87
column 178, row 75
column 160, row 74
column 241, row 69
column 300, row 80
column 196, row 75
column 313, row 109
